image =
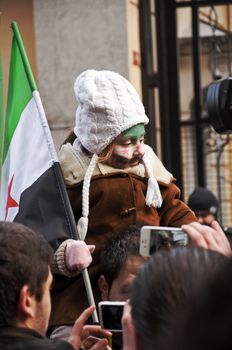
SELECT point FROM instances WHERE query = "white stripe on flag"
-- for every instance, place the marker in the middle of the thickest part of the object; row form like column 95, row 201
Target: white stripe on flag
column 27, row 159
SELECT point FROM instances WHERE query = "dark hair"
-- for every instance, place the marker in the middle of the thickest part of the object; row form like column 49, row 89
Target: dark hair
column 117, row 251
column 24, row 260
column 163, row 286
column 103, row 156
column 206, row 321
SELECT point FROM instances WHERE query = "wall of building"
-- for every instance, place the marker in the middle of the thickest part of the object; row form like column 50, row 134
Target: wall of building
column 134, row 52
column 65, row 37
column 18, row 11
column 72, row 36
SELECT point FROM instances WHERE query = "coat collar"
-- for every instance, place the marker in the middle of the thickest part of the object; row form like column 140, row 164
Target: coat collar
column 74, row 165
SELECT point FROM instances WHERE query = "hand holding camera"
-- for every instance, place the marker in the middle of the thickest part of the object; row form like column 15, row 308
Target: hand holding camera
column 154, row 238
column 208, row 237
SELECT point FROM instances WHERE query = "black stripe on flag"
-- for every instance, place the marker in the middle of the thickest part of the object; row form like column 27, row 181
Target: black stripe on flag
column 42, row 208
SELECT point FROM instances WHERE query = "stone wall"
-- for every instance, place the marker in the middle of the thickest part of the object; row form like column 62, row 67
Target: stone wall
column 72, row 36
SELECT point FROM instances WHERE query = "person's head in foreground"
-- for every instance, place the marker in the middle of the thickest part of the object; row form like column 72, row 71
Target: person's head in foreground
column 25, row 305
column 204, row 204
column 25, row 278
column 205, row 323
column 161, row 290
column 120, row 263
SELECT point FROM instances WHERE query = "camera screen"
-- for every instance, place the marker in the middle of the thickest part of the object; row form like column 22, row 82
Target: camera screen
column 161, row 239
column 111, row 316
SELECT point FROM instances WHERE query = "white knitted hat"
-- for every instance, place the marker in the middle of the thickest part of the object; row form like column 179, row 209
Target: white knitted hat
column 107, row 105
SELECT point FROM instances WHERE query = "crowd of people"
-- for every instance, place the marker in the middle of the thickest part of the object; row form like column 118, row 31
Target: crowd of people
column 116, row 184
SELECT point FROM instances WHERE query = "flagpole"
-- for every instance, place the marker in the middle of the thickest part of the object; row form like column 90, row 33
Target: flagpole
column 63, row 191
column 57, row 169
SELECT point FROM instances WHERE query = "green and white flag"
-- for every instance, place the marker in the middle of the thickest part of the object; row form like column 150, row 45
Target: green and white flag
column 2, row 121
column 32, row 190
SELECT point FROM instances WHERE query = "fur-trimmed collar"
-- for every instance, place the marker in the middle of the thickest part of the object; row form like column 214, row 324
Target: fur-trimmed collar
column 74, row 165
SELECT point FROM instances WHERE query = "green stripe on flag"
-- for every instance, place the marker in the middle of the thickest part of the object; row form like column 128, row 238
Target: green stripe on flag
column 19, row 94
column 21, row 85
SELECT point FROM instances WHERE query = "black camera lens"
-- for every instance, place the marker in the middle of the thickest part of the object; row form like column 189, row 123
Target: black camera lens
column 219, row 105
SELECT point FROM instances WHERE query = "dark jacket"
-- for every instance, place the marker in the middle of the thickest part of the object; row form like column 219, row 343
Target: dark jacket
column 13, row 338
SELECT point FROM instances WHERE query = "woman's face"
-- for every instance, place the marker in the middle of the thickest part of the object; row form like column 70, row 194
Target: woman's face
column 128, row 148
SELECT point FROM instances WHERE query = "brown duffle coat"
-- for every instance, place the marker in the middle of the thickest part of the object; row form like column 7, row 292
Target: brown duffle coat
column 116, row 200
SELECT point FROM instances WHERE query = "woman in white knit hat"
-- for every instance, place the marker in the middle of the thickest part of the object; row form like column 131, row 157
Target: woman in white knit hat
column 113, row 179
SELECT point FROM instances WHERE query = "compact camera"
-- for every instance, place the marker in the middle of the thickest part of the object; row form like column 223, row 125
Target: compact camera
column 154, row 238
column 110, row 315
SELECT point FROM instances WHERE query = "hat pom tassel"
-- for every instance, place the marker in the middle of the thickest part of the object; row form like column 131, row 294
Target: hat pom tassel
column 82, row 227
column 153, row 196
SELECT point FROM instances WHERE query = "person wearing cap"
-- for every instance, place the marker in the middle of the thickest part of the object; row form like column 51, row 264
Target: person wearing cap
column 204, row 204
column 113, row 179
